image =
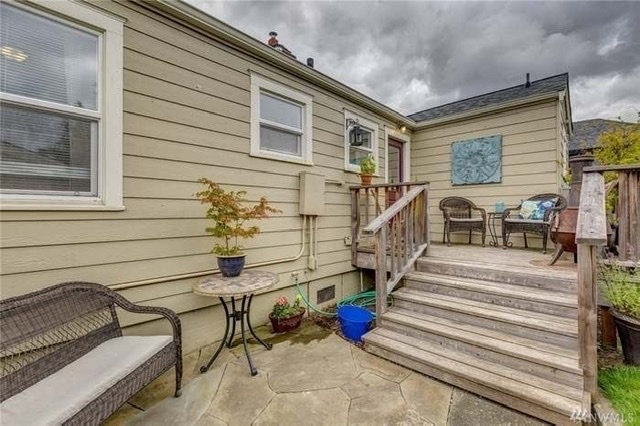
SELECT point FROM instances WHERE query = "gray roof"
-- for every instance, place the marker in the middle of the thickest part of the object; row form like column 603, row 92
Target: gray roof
column 551, row 84
column 586, row 133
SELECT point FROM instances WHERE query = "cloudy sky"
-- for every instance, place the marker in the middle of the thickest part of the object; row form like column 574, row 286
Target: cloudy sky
column 416, row 55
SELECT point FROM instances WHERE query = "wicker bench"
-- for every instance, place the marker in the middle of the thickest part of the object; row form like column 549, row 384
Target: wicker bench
column 65, row 361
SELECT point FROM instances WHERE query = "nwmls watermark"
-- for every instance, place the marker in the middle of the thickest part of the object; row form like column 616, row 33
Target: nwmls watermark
column 587, row 416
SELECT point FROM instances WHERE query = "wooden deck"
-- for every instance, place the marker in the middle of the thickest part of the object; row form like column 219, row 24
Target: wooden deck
column 516, row 257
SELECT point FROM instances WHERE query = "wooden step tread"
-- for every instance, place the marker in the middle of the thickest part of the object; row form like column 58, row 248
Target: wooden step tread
column 559, row 398
column 535, row 320
column 569, row 322
column 556, row 274
column 492, row 287
column 489, row 339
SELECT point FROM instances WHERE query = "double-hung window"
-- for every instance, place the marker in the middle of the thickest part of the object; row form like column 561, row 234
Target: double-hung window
column 280, row 122
column 61, row 107
column 360, row 140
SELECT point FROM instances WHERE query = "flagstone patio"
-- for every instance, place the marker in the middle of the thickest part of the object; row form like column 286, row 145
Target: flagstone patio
column 310, row 377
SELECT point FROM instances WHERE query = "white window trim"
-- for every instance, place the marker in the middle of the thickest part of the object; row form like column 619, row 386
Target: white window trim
column 406, row 152
column 258, row 84
column 369, row 125
column 109, row 179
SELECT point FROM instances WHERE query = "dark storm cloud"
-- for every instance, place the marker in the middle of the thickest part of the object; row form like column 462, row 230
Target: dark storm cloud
column 416, row 55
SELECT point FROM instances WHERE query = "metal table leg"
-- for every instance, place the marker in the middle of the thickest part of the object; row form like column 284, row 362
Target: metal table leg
column 492, row 230
column 268, row 346
column 233, row 326
column 252, row 368
column 231, row 319
column 228, row 317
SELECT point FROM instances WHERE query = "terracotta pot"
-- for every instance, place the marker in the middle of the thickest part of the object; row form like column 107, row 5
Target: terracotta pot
column 629, row 332
column 231, row 266
column 282, row 325
column 366, row 179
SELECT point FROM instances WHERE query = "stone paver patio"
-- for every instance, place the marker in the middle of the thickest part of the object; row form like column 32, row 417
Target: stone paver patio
column 310, row 377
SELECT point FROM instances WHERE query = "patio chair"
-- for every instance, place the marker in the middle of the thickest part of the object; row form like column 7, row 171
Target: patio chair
column 534, row 215
column 458, row 216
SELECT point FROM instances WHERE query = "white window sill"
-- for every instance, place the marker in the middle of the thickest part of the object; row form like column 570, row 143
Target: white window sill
column 12, row 204
column 281, row 157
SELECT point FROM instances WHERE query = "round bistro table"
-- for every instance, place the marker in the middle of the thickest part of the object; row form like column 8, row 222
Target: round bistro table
column 246, row 285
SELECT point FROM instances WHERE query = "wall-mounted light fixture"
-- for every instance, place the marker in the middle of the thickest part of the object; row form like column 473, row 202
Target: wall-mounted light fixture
column 401, row 127
column 356, row 134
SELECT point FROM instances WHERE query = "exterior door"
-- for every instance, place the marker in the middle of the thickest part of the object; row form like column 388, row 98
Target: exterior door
column 396, row 170
column 396, row 162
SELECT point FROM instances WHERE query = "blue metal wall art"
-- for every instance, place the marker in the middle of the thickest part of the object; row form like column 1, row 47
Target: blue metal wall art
column 476, row 161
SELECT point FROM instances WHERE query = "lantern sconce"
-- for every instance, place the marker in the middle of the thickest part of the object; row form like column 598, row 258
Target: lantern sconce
column 356, row 135
column 401, row 127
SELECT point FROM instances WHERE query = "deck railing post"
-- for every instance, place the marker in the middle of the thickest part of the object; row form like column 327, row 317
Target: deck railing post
column 427, row 205
column 591, row 234
column 587, row 316
column 381, row 271
column 355, row 224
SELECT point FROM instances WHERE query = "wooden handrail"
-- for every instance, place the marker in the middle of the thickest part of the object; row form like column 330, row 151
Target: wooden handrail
column 613, row 168
column 370, row 201
column 592, row 218
column 627, row 210
column 387, row 185
column 591, row 234
column 400, row 236
column 384, row 218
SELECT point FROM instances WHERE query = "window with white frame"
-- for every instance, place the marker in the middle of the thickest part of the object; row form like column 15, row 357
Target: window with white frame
column 280, row 122
column 61, row 106
column 360, row 140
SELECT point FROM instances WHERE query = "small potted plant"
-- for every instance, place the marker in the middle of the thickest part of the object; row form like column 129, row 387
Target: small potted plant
column 230, row 217
column 367, row 169
column 286, row 316
column 622, row 288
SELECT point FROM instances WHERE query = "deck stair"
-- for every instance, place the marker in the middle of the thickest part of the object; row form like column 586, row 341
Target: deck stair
column 504, row 332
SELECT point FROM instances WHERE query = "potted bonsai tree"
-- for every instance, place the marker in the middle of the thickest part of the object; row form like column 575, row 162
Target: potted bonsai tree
column 286, row 316
column 367, row 169
column 230, row 218
column 622, row 288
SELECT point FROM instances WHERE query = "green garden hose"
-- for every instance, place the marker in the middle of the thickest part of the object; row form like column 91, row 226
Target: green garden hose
column 366, row 298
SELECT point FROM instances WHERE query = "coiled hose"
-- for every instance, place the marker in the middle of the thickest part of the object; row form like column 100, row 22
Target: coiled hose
column 364, row 299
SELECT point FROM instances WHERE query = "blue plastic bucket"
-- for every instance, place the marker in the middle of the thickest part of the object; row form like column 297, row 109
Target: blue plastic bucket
column 354, row 321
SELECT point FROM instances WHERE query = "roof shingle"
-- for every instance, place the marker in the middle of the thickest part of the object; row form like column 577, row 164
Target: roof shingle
column 587, row 132
column 551, row 84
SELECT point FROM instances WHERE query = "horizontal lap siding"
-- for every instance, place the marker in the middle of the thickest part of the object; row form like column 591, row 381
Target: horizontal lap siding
column 529, row 159
column 186, row 116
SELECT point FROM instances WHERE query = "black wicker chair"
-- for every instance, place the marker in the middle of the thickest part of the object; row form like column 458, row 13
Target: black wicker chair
column 511, row 222
column 61, row 328
column 458, row 216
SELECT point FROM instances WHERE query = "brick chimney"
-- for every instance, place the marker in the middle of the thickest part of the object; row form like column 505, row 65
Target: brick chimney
column 273, row 41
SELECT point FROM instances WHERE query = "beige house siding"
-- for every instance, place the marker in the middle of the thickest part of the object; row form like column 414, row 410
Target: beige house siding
column 187, row 115
column 529, row 159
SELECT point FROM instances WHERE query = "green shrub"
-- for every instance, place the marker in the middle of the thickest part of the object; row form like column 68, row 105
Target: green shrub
column 622, row 288
column 230, row 216
column 368, row 165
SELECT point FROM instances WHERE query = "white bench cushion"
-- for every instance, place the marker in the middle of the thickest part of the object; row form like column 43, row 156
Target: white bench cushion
column 58, row 397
